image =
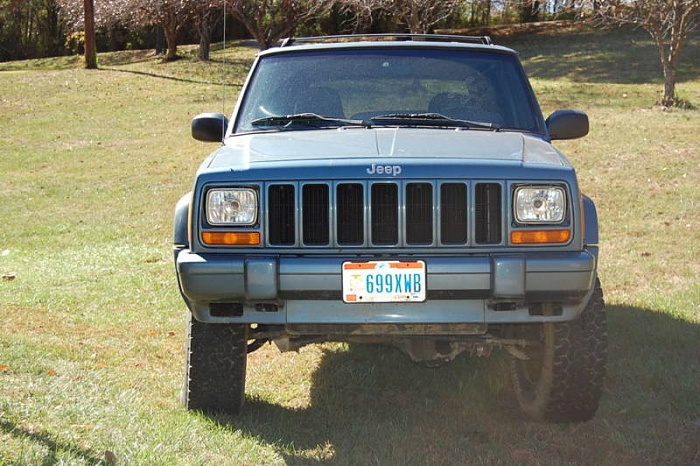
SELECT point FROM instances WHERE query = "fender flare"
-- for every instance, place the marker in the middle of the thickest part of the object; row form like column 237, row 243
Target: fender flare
column 180, row 224
column 590, row 215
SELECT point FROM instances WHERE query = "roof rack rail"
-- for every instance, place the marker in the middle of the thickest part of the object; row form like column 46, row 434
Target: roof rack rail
column 482, row 40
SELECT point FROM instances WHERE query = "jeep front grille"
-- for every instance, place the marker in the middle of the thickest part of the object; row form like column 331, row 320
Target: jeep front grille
column 383, row 214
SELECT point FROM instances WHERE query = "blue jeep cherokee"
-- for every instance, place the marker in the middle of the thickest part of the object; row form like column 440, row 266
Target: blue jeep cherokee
column 392, row 189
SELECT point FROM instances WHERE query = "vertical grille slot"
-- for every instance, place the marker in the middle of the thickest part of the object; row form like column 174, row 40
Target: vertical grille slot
column 488, row 213
column 350, row 218
column 281, row 218
column 419, row 213
column 453, row 213
column 315, row 208
column 385, row 213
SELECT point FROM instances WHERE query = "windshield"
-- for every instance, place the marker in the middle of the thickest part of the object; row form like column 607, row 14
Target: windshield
column 388, row 87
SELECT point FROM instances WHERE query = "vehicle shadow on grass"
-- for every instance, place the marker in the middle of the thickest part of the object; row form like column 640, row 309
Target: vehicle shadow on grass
column 53, row 447
column 370, row 404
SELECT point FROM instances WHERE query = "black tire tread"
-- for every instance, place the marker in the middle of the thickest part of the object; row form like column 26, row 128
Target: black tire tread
column 216, row 367
column 571, row 390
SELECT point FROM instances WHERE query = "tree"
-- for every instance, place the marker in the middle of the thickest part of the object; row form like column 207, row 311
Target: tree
column 105, row 14
column 421, row 15
column 529, row 11
column 30, row 28
column 271, row 20
column 668, row 22
column 418, row 15
column 363, row 11
column 170, row 15
column 480, row 12
column 206, row 16
column 90, row 40
column 174, row 15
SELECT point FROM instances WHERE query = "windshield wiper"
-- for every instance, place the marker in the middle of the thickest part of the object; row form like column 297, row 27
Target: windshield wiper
column 430, row 119
column 311, row 120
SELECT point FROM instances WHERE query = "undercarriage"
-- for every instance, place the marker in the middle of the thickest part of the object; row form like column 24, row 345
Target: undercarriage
column 429, row 344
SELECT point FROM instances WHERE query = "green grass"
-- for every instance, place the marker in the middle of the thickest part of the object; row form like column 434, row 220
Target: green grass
column 92, row 327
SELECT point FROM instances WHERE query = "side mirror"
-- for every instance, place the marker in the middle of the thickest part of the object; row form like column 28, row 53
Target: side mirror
column 567, row 124
column 209, row 127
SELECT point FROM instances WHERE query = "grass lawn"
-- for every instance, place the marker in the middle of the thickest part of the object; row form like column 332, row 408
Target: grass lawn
column 92, row 326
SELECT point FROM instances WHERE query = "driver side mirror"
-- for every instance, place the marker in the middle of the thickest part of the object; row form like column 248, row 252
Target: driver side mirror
column 209, row 127
column 567, row 124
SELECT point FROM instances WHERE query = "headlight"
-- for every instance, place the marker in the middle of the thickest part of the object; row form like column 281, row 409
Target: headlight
column 540, row 204
column 237, row 206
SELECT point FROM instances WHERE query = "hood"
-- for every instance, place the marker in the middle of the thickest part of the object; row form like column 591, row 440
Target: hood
column 385, row 146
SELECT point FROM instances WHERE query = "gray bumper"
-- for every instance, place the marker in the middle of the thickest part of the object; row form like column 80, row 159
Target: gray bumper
column 467, row 289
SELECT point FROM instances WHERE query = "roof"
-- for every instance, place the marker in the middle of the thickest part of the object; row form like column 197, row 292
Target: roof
column 483, row 40
column 483, row 43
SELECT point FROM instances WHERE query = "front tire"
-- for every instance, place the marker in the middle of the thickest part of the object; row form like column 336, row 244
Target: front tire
column 563, row 380
column 216, row 367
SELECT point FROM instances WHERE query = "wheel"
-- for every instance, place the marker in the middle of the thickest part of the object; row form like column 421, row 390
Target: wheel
column 216, row 367
column 563, row 379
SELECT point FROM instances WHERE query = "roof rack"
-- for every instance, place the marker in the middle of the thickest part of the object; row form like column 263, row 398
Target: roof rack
column 481, row 40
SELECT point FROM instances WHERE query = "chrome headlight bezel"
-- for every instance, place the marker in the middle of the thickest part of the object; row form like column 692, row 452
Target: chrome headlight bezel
column 231, row 206
column 540, row 205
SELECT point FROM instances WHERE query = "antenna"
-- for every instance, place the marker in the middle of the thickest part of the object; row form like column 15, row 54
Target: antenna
column 223, row 75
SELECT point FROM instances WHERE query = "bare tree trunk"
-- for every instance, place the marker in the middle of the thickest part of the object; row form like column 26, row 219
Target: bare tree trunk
column 669, row 67
column 90, row 41
column 171, row 53
column 668, row 54
column 170, row 31
column 669, row 98
column 203, row 25
column 169, row 22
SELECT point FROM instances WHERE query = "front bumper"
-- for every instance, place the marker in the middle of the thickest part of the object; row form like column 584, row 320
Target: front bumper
column 478, row 289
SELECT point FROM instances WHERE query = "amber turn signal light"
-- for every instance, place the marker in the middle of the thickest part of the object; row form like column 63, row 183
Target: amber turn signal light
column 231, row 238
column 540, row 236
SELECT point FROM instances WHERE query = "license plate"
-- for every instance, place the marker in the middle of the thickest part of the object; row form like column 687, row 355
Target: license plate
column 384, row 281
